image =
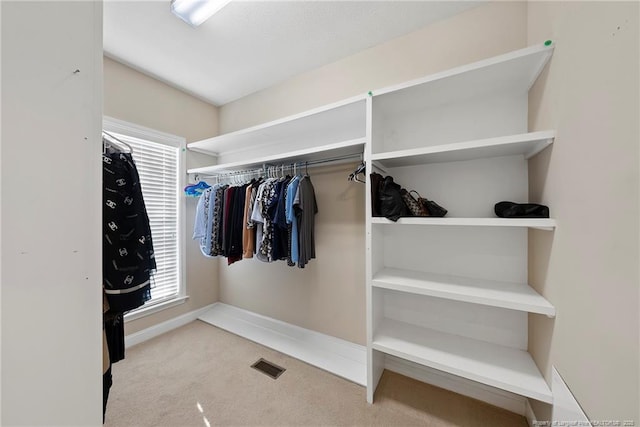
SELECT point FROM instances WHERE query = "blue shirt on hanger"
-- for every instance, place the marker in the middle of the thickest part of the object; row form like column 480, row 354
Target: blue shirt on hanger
column 292, row 188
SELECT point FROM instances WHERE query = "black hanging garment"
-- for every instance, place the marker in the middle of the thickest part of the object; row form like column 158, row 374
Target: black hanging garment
column 236, row 224
column 281, row 230
column 127, row 250
column 306, row 208
column 107, row 382
column 376, row 184
column 114, row 332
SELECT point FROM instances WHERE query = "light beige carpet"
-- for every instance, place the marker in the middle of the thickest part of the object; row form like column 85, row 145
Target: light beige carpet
column 199, row 375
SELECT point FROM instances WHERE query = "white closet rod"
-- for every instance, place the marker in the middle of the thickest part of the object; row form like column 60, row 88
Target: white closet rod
column 266, row 167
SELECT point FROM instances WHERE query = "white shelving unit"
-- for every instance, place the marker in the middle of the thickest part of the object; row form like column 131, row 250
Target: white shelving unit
column 333, row 130
column 528, row 144
column 515, row 296
column 502, row 367
column 511, row 72
column 339, row 149
column 539, row 223
column 451, row 293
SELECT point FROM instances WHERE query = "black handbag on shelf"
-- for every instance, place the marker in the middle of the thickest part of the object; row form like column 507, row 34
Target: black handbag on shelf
column 432, row 207
column 521, row 210
column 414, row 206
column 422, row 206
column 376, row 183
column 391, row 205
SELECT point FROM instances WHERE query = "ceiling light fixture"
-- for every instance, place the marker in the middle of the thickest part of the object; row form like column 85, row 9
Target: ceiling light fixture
column 195, row 12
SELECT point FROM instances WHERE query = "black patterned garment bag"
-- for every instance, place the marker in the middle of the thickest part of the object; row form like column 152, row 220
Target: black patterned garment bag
column 128, row 259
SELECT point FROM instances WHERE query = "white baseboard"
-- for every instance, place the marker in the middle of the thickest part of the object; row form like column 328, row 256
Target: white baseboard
column 530, row 415
column 493, row 396
column 164, row 327
column 340, row 357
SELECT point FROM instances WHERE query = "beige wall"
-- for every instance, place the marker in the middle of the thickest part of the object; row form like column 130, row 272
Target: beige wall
column 588, row 268
column 137, row 98
column 484, row 31
column 329, row 295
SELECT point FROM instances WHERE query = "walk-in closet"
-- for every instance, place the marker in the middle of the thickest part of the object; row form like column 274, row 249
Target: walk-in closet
column 296, row 213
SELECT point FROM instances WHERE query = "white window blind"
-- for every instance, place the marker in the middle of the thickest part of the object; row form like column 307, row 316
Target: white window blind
column 158, row 165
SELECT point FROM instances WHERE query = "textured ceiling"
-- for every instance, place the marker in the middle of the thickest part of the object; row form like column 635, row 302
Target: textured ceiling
column 251, row 45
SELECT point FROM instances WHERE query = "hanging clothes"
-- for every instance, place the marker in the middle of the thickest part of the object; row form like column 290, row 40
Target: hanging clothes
column 306, row 209
column 202, row 224
column 236, row 224
column 226, row 217
column 280, row 228
column 128, row 260
column 216, row 229
column 107, row 380
column 248, row 230
column 273, row 219
column 292, row 222
column 269, row 197
column 207, row 227
column 127, row 249
column 258, row 221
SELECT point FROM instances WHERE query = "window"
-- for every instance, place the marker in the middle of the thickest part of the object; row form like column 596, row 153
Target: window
column 159, row 160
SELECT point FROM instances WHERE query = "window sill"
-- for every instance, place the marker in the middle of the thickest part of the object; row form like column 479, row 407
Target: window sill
column 147, row 311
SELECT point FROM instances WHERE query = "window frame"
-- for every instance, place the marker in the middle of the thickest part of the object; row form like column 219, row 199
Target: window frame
column 111, row 124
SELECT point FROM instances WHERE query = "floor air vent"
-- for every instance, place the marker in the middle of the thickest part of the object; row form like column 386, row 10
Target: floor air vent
column 268, row 368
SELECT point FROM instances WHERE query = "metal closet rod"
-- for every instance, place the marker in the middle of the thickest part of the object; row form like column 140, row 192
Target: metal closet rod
column 265, row 167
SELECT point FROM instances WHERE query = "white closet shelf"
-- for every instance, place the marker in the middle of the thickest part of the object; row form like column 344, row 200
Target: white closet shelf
column 511, row 72
column 340, row 149
column 540, row 223
column 515, row 296
column 527, row 144
column 498, row 366
column 340, row 121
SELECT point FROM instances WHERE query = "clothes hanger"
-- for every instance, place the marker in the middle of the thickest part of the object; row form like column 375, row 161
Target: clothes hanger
column 195, row 190
column 353, row 176
column 117, row 141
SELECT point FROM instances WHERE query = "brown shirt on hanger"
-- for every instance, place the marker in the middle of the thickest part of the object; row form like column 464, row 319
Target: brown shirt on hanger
column 248, row 234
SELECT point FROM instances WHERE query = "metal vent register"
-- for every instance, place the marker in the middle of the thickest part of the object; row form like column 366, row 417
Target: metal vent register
column 268, row 368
